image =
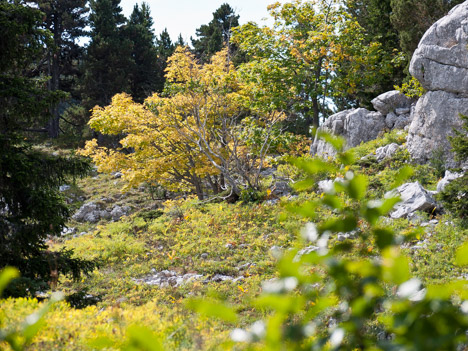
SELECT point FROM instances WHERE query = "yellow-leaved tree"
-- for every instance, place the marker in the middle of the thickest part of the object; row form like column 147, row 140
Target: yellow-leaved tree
column 199, row 135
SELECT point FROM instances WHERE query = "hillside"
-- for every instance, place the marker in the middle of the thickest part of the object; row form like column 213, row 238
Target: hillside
column 163, row 253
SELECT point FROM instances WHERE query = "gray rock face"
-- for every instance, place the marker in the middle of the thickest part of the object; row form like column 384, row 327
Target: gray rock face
column 435, row 117
column 441, row 60
column 355, row 125
column 91, row 212
column 386, row 151
column 413, row 198
column 441, row 65
column 392, row 101
column 449, row 176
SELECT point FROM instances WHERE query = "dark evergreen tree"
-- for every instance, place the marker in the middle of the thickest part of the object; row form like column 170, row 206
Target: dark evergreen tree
column 109, row 55
column 212, row 37
column 31, row 207
column 165, row 48
column 180, row 41
column 411, row 18
column 66, row 20
column 374, row 17
column 145, row 72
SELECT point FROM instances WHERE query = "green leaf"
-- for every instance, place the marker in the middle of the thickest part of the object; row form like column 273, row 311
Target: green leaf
column 357, row 187
column 461, row 257
column 395, row 266
column 141, row 339
column 101, row 342
column 212, row 309
column 335, row 141
column 403, row 175
column 6, row 276
column 313, row 166
column 383, row 237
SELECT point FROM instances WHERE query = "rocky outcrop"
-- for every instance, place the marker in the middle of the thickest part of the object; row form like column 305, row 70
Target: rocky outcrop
column 441, row 65
column 448, row 178
column 361, row 125
column 93, row 212
column 386, row 151
column 441, row 60
column 413, row 198
column 355, row 125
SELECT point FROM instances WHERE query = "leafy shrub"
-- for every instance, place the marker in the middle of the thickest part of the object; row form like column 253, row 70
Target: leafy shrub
column 327, row 300
column 250, row 195
column 455, row 194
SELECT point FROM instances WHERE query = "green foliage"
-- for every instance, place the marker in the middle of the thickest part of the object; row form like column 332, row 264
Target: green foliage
column 216, row 35
column 251, row 195
column 412, row 88
column 19, row 337
column 108, row 55
column 315, row 52
column 31, row 207
column 454, row 196
column 412, row 18
column 145, row 71
column 325, row 299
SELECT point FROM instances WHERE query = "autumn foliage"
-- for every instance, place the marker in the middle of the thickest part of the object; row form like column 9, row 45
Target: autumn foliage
column 199, row 135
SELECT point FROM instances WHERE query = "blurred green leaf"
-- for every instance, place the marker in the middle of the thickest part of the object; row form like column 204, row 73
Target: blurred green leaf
column 395, row 266
column 101, row 342
column 141, row 339
column 214, row 309
column 357, row 187
column 6, row 276
column 383, row 237
column 461, row 257
column 313, row 166
column 403, row 175
column 335, row 141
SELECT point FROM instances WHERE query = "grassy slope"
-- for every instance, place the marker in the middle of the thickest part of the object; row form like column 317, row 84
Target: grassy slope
column 208, row 239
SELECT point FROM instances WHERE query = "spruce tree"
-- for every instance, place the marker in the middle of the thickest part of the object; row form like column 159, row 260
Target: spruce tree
column 109, row 55
column 212, row 37
column 144, row 73
column 66, row 20
column 165, row 49
column 31, row 208
column 411, row 18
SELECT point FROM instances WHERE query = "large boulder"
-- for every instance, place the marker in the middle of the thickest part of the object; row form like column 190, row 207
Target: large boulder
column 392, row 101
column 435, row 118
column 413, row 198
column 448, row 178
column 441, row 60
column 355, row 125
column 440, row 63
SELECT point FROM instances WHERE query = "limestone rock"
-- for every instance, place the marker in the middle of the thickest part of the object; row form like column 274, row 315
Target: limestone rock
column 391, row 101
column 413, row 198
column 435, row 117
column 355, row 125
column 386, row 151
column 441, row 60
column 449, row 176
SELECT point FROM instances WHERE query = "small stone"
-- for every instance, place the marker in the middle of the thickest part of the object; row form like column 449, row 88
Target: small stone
column 64, row 187
column 204, row 255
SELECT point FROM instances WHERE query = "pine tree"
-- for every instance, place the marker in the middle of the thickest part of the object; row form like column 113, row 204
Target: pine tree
column 66, row 19
column 31, row 207
column 165, row 49
column 145, row 72
column 109, row 55
column 212, row 37
column 411, row 18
